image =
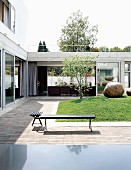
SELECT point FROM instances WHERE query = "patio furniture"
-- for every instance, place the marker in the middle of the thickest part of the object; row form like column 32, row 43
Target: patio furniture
column 53, row 90
column 67, row 116
column 70, row 91
column 36, row 115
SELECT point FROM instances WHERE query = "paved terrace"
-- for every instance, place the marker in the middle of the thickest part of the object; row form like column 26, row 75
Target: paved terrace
column 15, row 127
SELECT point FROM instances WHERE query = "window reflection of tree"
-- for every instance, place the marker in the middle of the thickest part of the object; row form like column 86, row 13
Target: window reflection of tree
column 54, row 71
column 76, row 148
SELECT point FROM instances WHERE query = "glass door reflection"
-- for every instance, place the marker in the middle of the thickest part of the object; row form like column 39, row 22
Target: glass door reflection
column 0, row 79
column 9, row 78
column 107, row 72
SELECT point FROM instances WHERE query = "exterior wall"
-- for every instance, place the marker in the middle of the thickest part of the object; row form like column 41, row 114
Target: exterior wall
column 122, row 73
column 12, row 47
column 14, row 44
column 19, row 37
column 8, row 81
column 59, row 56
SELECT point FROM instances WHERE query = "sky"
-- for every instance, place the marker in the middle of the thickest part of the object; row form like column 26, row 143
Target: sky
column 47, row 18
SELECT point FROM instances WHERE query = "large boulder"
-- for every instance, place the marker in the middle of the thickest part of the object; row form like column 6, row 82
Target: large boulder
column 105, row 83
column 113, row 89
column 109, row 78
column 128, row 92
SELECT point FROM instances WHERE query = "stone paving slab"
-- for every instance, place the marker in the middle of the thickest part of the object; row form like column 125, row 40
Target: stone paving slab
column 15, row 127
column 79, row 135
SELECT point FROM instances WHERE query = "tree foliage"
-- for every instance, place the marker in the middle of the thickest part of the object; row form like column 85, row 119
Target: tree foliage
column 116, row 49
column 78, row 67
column 42, row 47
column 55, row 70
column 76, row 35
column 127, row 49
column 103, row 49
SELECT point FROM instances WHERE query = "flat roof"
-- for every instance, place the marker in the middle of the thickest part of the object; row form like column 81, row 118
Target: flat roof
column 59, row 56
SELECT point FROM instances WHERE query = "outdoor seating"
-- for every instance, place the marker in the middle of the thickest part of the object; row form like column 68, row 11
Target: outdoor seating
column 37, row 115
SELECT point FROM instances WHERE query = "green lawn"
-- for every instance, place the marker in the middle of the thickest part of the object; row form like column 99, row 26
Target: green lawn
column 105, row 109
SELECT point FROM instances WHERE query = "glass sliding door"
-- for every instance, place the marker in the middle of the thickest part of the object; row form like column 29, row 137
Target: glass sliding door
column 0, row 78
column 127, row 75
column 60, row 85
column 9, row 78
column 17, row 82
column 107, row 72
column 19, row 78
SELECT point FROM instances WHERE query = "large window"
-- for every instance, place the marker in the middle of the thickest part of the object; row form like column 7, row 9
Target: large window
column 106, row 72
column 19, row 78
column 7, row 14
column 9, row 78
column 127, row 75
column 0, row 78
column 12, row 22
column 55, row 77
column 60, row 85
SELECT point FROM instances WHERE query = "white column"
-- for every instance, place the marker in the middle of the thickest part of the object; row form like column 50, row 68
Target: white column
column 3, row 78
column 122, row 72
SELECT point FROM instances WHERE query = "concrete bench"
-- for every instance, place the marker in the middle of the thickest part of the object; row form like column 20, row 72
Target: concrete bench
column 61, row 116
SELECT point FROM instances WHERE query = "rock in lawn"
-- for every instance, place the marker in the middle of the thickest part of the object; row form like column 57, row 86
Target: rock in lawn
column 113, row 89
column 128, row 92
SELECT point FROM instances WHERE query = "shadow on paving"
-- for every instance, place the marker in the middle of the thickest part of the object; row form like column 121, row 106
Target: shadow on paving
column 71, row 133
column 40, row 129
column 14, row 122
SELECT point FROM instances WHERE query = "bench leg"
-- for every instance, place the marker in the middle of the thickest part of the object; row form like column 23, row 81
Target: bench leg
column 90, row 125
column 33, row 121
column 45, row 125
column 40, row 121
column 45, row 128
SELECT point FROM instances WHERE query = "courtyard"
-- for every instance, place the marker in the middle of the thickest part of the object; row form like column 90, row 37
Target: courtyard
column 16, row 126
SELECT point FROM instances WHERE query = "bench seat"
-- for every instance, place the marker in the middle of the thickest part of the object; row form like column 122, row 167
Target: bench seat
column 68, row 116
column 63, row 116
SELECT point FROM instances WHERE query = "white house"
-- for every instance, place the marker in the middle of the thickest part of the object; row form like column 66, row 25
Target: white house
column 13, row 54
column 24, row 73
column 107, row 64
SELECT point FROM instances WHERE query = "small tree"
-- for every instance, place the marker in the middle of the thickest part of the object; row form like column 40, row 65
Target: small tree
column 116, row 49
column 77, row 35
column 78, row 67
column 104, row 49
column 42, row 47
column 127, row 49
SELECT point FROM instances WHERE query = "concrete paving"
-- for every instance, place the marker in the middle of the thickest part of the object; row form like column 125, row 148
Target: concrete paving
column 16, row 126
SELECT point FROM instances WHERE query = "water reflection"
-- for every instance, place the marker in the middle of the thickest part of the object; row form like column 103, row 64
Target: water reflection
column 65, row 157
column 77, row 149
column 12, row 157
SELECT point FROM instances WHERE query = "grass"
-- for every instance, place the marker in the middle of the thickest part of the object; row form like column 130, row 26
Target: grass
column 105, row 109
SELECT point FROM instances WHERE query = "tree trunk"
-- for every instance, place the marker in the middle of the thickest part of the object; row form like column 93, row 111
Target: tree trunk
column 80, row 87
column 80, row 91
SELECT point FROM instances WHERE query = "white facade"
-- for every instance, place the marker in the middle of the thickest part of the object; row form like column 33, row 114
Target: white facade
column 16, row 63
column 13, row 51
column 59, row 56
column 107, row 64
column 19, row 34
